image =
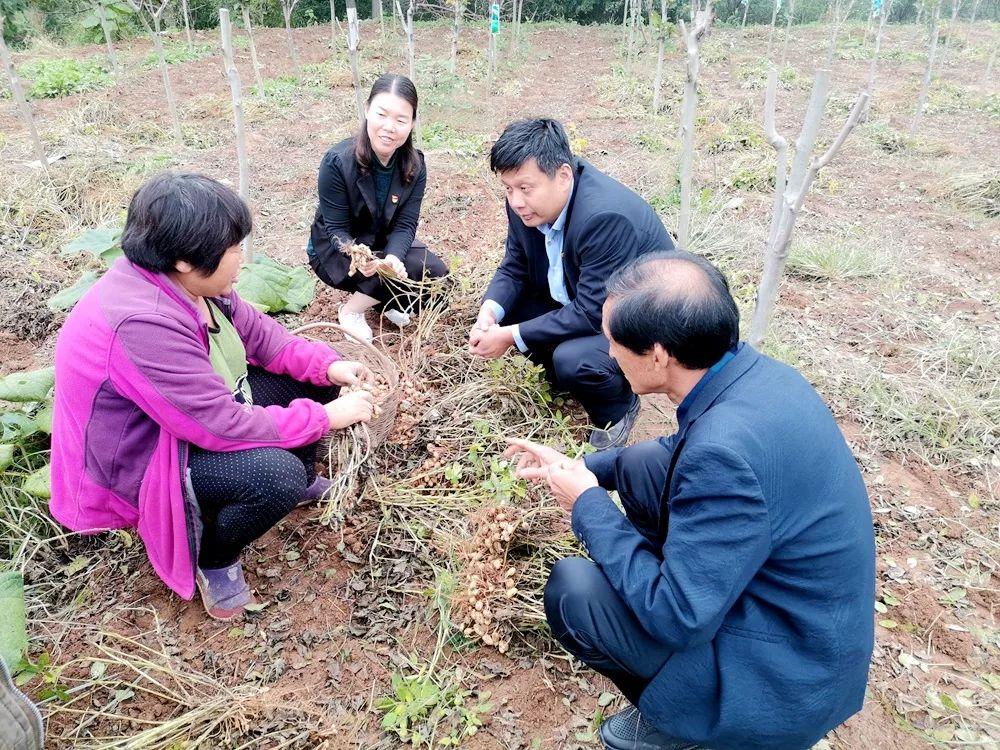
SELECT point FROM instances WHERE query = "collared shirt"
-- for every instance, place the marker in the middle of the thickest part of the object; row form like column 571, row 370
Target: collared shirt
column 554, row 234
column 682, row 409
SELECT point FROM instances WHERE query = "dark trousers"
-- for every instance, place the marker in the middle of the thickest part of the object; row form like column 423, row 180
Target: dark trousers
column 586, row 614
column 580, row 366
column 420, row 263
column 244, row 493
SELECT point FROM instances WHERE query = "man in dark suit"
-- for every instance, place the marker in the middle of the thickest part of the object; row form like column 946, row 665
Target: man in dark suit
column 568, row 228
column 732, row 601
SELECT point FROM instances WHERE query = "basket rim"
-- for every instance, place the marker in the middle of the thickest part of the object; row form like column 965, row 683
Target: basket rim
column 391, row 368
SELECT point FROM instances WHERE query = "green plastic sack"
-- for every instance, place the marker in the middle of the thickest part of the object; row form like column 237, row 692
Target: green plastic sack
column 13, row 626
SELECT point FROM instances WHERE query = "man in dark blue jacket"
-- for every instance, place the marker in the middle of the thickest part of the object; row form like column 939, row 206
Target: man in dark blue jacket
column 568, row 228
column 732, row 602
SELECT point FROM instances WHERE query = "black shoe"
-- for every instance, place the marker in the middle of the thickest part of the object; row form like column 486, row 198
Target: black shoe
column 20, row 722
column 617, row 434
column 627, row 730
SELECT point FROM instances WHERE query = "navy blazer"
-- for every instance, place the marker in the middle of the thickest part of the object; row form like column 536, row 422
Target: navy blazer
column 347, row 212
column 764, row 589
column 607, row 225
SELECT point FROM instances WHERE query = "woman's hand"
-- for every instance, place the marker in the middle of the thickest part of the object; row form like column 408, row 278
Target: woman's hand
column 347, row 373
column 349, row 409
column 394, row 265
column 370, row 267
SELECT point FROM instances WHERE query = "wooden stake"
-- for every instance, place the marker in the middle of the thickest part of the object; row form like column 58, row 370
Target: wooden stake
column 925, row 86
column 791, row 191
column 692, row 42
column 454, row 36
column 352, row 54
column 258, row 77
column 102, row 16
column 22, row 103
column 236, row 90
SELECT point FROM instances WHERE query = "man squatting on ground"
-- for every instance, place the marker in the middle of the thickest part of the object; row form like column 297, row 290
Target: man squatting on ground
column 732, row 601
column 568, row 228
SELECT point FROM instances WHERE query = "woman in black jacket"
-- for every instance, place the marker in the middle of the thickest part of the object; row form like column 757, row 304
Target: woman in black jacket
column 370, row 189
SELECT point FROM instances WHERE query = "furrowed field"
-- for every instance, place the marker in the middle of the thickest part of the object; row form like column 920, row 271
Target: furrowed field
column 890, row 305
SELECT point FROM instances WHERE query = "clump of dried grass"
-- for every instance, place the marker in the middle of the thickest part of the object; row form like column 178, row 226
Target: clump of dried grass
column 979, row 192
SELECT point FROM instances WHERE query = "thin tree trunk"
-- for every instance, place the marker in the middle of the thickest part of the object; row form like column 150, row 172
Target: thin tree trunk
column 790, row 192
column 692, row 40
column 102, row 16
column 660, row 53
column 838, row 22
column 920, row 11
column 236, row 90
column 352, row 54
column 873, row 65
column 746, row 9
column 187, row 25
column 454, row 35
column 409, row 40
column 868, row 27
column 925, row 87
column 22, row 103
column 774, row 20
column 377, row 11
column 972, row 16
column 335, row 30
column 956, row 5
column 627, row 5
column 989, row 65
column 286, row 11
column 788, row 32
column 258, row 77
column 165, row 74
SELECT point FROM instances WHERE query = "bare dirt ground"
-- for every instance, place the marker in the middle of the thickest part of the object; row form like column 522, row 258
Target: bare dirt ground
column 331, row 634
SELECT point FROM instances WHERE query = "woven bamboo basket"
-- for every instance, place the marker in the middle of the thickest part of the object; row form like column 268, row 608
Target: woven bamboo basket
column 352, row 348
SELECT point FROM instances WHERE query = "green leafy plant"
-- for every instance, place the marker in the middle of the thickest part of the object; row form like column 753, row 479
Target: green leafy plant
column 438, row 136
column 274, row 287
column 426, row 713
column 63, row 76
column 116, row 16
column 43, row 669
column 104, row 244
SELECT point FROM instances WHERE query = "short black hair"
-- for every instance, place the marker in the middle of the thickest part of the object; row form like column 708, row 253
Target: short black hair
column 675, row 299
column 183, row 216
column 541, row 139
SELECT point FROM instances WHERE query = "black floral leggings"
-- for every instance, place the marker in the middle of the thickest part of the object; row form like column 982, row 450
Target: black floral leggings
column 244, row 493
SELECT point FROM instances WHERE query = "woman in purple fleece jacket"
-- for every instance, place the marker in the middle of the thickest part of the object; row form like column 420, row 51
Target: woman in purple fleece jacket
column 180, row 409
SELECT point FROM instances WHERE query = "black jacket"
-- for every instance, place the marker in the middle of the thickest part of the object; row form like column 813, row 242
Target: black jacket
column 607, row 225
column 347, row 212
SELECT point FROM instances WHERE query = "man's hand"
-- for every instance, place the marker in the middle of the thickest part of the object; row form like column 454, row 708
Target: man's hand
column 493, row 342
column 345, row 373
column 567, row 479
column 394, row 266
column 349, row 409
column 484, row 321
column 533, row 456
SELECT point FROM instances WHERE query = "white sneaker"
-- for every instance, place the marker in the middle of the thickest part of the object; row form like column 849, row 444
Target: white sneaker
column 356, row 325
column 397, row 317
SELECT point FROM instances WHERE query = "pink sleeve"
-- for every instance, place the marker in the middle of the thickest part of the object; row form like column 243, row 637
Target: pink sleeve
column 271, row 346
column 162, row 367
